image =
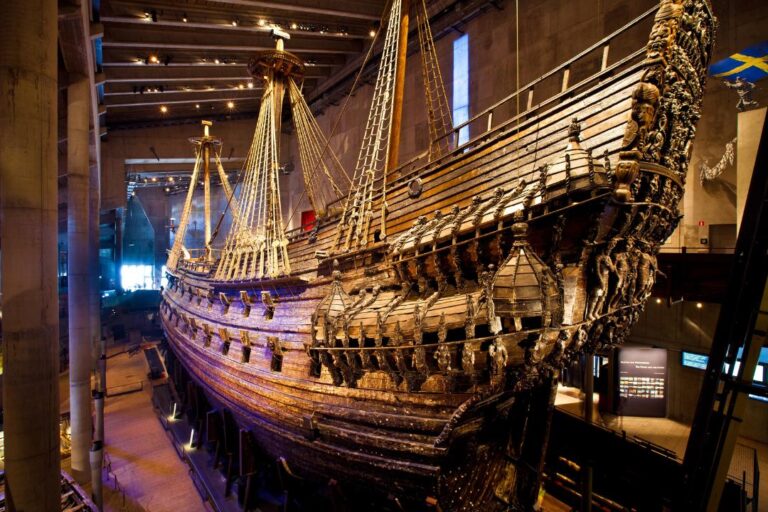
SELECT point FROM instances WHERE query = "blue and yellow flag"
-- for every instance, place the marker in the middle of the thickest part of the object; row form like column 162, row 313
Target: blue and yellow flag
column 751, row 64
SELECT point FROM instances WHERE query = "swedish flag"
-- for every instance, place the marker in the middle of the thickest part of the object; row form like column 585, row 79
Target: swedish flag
column 751, row 64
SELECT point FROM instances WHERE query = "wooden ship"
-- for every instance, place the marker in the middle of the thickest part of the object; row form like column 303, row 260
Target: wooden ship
column 410, row 342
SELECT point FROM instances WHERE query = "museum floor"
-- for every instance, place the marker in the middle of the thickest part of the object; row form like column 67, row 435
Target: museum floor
column 669, row 434
column 145, row 473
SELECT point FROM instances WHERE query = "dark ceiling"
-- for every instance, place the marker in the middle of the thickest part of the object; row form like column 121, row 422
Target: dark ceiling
column 173, row 60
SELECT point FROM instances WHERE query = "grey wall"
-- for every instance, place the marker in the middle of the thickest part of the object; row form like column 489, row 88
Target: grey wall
column 684, row 326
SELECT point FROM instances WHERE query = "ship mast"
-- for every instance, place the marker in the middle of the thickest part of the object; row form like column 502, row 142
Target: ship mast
column 206, row 142
column 397, row 106
column 203, row 146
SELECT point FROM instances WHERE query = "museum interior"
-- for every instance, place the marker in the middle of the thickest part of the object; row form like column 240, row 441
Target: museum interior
column 384, row 255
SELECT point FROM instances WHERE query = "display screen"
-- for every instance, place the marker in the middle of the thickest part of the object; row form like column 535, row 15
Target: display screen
column 699, row 361
column 694, row 360
column 643, row 381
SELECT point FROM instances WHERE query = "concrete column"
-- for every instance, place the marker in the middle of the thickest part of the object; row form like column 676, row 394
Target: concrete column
column 750, row 127
column 94, row 281
column 28, row 224
column 78, row 287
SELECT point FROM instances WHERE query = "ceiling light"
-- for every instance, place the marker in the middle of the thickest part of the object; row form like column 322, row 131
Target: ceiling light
column 184, row 18
column 699, row 305
column 658, row 301
column 154, row 59
column 197, row 105
column 167, row 189
column 216, row 61
column 154, row 178
column 240, row 86
column 294, row 26
column 171, row 179
column 250, row 85
column 163, row 109
column 230, row 104
column 372, row 33
column 235, row 22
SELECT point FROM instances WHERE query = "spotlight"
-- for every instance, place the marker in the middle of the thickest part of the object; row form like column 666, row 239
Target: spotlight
column 250, row 85
column 197, row 105
column 154, row 59
column 262, row 22
column 699, row 305
column 372, row 33
column 658, row 300
column 154, row 179
column 216, row 61
column 235, row 22
column 184, row 18
column 171, row 179
column 167, row 189
column 240, row 86
column 230, row 104
column 294, row 26
column 163, row 109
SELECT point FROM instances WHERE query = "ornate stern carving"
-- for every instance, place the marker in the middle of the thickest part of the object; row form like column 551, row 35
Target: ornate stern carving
column 666, row 104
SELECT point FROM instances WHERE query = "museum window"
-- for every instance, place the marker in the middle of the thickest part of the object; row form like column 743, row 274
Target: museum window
column 461, row 86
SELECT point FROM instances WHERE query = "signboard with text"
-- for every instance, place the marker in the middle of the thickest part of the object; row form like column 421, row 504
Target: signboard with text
column 642, row 382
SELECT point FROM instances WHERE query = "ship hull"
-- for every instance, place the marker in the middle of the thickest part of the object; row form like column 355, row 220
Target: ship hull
column 423, row 366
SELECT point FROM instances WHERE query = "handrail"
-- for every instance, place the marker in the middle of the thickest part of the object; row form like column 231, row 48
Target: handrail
column 554, row 70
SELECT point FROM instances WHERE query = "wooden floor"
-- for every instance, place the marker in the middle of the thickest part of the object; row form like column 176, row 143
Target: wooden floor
column 148, row 470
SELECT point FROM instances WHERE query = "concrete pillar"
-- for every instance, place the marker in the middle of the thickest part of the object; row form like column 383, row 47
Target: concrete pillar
column 750, row 127
column 78, row 288
column 28, row 225
column 94, row 281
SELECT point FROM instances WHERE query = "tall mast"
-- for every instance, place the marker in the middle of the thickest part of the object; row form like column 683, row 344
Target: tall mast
column 397, row 105
column 207, row 186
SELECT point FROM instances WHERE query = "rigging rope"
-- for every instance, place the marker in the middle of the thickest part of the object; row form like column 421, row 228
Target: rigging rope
column 256, row 246
column 322, row 187
column 355, row 223
column 438, row 111
column 181, row 230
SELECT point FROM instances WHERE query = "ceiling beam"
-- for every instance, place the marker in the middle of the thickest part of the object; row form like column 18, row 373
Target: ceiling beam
column 190, row 74
column 314, row 7
column 214, row 48
column 134, row 100
column 308, row 8
column 150, row 37
column 266, row 30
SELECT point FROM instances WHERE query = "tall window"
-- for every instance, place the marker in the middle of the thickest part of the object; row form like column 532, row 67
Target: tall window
column 461, row 86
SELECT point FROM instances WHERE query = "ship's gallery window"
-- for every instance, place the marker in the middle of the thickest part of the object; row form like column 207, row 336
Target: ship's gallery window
column 461, row 86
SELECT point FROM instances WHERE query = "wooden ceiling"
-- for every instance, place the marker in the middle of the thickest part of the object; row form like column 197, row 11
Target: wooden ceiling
column 184, row 59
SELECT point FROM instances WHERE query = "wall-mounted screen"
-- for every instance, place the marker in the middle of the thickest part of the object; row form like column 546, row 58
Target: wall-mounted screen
column 694, row 360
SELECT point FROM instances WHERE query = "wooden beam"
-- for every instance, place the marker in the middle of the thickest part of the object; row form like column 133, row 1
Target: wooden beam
column 134, row 100
column 228, row 27
column 189, row 74
column 214, row 48
column 153, row 38
column 292, row 7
